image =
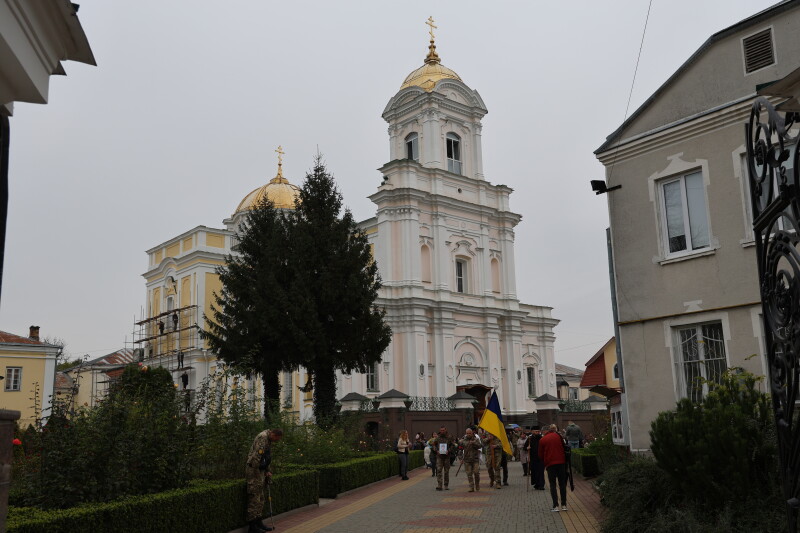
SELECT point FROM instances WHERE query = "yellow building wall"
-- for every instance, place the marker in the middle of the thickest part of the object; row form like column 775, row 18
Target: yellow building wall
column 215, row 239
column 188, row 244
column 610, row 357
column 213, row 285
column 33, row 366
column 159, row 256
column 174, row 250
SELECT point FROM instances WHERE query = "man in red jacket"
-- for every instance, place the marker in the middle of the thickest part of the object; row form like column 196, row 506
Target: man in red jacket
column 551, row 452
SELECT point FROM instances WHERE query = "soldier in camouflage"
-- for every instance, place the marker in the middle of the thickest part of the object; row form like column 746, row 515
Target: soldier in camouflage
column 472, row 455
column 494, row 454
column 257, row 473
column 443, row 446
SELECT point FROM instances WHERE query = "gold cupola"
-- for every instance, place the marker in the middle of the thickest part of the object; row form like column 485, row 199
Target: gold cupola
column 432, row 71
column 279, row 190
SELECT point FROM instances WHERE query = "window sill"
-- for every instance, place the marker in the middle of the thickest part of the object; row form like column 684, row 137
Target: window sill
column 747, row 243
column 702, row 253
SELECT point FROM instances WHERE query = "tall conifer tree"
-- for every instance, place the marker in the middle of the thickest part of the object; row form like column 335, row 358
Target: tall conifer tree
column 248, row 327
column 334, row 286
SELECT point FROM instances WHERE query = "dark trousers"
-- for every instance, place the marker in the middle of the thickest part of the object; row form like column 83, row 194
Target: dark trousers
column 504, row 466
column 558, row 472
column 403, row 463
column 537, row 474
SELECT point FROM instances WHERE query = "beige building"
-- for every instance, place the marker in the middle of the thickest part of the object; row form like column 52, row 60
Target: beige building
column 681, row 228
column 28, row 370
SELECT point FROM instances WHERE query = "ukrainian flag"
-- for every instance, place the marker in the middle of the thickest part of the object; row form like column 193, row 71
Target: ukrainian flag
column 492, row 421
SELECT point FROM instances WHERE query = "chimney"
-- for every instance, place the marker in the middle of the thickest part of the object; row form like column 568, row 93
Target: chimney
column 34, row 335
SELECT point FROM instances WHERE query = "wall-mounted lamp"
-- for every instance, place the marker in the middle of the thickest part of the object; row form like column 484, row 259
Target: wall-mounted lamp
column 600, row 187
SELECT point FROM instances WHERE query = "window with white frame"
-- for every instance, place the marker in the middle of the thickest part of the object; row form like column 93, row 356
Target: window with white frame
column 684, row 214
column 453, row 142
column 765, row 189
column 461, row 275
column 13, row 378
column 372, row 378
column 699, row 358
column 573, row 393
column 616, row 370
column 531, row 372
column 412, row 146
column 617, row 434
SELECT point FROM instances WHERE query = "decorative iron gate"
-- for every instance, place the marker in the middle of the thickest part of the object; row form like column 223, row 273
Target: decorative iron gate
column 772, row 162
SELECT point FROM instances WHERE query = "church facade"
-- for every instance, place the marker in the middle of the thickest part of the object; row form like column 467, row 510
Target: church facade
column 443, row 238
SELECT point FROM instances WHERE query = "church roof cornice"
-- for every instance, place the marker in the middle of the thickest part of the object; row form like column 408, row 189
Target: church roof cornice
column 185, row 234
column 178, row 262
column 412, row 98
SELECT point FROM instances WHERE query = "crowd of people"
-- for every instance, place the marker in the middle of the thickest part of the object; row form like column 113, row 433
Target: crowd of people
column 538, row 450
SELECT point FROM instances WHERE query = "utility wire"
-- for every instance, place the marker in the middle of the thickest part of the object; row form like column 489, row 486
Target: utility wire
column 633, row 82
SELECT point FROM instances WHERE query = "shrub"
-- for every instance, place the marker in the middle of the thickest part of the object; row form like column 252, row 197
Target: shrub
column 585, row 462
column 204, row 506
column 721, row 449
column 341, row 477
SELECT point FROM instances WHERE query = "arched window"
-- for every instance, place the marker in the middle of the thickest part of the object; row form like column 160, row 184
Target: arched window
column 616, row 370
column 453, row 153
column 425, row 259
column 495, row 275
column 412, row 146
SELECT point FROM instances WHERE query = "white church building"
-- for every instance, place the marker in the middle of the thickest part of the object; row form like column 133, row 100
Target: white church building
column 443, row 238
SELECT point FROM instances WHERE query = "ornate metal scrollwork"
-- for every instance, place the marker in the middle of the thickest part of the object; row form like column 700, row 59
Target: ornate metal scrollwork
column 772, row 164
column 425, row 403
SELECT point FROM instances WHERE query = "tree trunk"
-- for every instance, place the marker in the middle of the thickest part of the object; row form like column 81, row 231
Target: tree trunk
column 272, row 393
column 325, row 396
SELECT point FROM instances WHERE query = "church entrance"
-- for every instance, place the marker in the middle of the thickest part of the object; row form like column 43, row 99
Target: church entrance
column 480, row 393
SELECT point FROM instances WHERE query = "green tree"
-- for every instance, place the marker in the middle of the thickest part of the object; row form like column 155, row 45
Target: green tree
column 721, row 450
column 248, row 327
column 334, row 286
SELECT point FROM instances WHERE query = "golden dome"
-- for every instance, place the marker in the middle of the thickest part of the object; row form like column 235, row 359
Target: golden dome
column 432, row 71
column 428, row 74
column 279, row 190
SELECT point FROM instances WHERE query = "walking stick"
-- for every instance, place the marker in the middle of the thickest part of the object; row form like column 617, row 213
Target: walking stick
column 459, row 466
column 269, row 497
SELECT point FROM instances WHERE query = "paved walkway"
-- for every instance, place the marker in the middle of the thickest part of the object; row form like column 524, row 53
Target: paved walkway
column 413, row 506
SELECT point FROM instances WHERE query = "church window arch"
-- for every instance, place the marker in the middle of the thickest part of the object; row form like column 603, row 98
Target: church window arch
column 425, row 259
column 495, row 267
column 453, row 142
column 412, row 146
column 616, row 370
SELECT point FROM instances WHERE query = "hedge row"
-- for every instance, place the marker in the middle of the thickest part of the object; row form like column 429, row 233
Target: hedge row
column 337, row 478
column 585, row 462
column 203, row 507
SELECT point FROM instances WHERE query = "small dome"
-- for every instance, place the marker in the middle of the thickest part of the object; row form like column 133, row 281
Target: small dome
column 428, row 74
column 279, row 190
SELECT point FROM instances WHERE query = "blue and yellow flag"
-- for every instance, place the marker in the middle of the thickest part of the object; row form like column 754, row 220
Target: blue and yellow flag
column 492, row 421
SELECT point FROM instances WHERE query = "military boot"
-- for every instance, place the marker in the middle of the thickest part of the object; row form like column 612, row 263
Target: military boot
column 256, row 526
column 477, row 483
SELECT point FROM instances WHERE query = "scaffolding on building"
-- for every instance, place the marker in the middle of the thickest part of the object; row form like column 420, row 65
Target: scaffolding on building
column 165, row 338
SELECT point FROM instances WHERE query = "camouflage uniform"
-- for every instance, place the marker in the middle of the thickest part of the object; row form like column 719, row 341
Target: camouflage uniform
column 443, row 461
column 493, row 458
column 472, row 465
column 255, row 476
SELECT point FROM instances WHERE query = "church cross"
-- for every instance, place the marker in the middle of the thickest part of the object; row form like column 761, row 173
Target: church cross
column 430, row 23
column 280, row 155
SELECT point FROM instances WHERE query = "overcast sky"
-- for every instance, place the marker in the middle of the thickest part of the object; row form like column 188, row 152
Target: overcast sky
column 181, row 117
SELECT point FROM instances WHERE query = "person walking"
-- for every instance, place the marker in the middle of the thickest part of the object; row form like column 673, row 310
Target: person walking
column 257, row 474
column 574, row 435
column 443, row 446
column 522, row 453
column 403, row 445
column 432, row 446
column 472, row 455
column 536, row 465
column 551, row 451
column 494, row 456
